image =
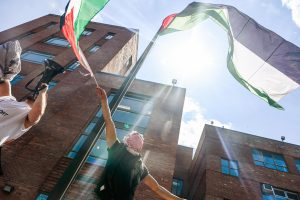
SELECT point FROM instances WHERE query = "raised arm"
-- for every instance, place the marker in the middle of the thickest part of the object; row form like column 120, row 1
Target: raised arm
column 158, row 189
column 38, row 109
column 111, row 135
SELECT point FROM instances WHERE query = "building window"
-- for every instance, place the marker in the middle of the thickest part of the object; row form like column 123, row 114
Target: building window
column 58, row 42
column 50, row 25
column 36, row 57
column 73, row 66
column 177, row 186
column 26, row 35
column 42, row 197
column 133, row 113
column 52, row 84
column 109, row 35
column 229, row 167
column 297, row 161
column 272, row 193
column 269, row 160
column 87, row 32
column 128, row 63
column 94, row 48
column 16, row 79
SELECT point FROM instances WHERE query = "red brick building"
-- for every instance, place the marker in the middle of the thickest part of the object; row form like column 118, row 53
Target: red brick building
column 233, row 165
column 34, row 163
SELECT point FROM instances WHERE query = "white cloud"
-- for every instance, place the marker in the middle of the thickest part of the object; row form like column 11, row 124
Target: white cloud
column 294, row 6
column 191, row 128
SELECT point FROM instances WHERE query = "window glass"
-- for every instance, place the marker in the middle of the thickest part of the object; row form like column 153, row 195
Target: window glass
column 224, row 163
column 90, row 127
column 26, row 35
column 131, row 118
column 268, row 197
column 94, row 48
column 269, row 160
column 234, row 172
column 225, row 170
column 79, row 143
column 273, row 193
column 259, row 163
column 233, row 165
column 229, row 167
column 42, row 197
column 100, row 150
column 52, row 84
column 73, row 66
column 257, row 155
column 177, row 186
column 128, row 63
column 298, row 164
column 72, row 154
column 292, row 195
column 109, row 98
column 58, row 42
column 136, row 105
column 109, row 35
column 51, row 25
column 35, row 57
column 271, row 166
column 279, row 193
column 279, row 161
column 87, row 32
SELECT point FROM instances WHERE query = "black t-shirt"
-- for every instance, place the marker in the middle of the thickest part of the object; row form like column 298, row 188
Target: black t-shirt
column 124, row 171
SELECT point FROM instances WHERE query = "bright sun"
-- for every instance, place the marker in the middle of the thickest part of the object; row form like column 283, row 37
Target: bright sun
column 189, row 58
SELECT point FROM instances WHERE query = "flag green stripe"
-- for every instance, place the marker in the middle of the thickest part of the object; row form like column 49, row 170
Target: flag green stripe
column 88, row 9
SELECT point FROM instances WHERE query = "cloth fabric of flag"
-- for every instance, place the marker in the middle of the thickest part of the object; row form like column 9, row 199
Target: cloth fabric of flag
column 259, row 59
column 78, row 14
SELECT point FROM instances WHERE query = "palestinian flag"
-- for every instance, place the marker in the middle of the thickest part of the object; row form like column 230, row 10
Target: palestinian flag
column 259, row 59
column 78, row 14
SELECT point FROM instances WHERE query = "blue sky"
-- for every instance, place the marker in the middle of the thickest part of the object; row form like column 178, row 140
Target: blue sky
column 197, row 59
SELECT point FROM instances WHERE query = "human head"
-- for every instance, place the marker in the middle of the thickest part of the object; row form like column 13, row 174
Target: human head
column 10, row 62
column 134, row 141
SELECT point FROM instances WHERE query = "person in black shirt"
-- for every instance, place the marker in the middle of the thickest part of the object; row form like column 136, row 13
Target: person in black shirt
column 124, row 169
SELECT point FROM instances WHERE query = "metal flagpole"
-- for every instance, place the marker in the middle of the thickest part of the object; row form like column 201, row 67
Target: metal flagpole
column 77, row 163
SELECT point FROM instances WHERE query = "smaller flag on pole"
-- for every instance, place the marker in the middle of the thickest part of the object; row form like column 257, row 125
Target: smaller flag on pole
column 78, row 14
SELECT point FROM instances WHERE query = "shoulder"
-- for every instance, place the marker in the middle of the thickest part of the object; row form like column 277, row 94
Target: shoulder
column 11, row 102
column 116, row 146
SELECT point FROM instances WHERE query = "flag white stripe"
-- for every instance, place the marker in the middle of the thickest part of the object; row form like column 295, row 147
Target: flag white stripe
column 261, row 74
column 76, row 5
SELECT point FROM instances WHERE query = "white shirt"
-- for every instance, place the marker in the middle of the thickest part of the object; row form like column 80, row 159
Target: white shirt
column 12, row 118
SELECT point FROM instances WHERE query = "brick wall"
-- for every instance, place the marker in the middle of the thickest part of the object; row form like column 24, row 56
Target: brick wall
column 35, row 161
column 223, row 143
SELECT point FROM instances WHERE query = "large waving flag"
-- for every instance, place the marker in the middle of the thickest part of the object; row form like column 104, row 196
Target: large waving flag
column 259, row 59
column 77, row 15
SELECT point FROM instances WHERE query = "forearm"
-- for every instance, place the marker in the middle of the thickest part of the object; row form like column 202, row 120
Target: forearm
column 111, row 135
column 164, row 193
column 38, row 108
column 105, row 110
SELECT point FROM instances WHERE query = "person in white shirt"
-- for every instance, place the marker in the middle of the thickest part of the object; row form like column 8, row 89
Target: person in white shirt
column 16, row 118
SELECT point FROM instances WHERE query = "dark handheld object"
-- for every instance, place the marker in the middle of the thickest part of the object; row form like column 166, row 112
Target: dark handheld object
column 51, row 70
